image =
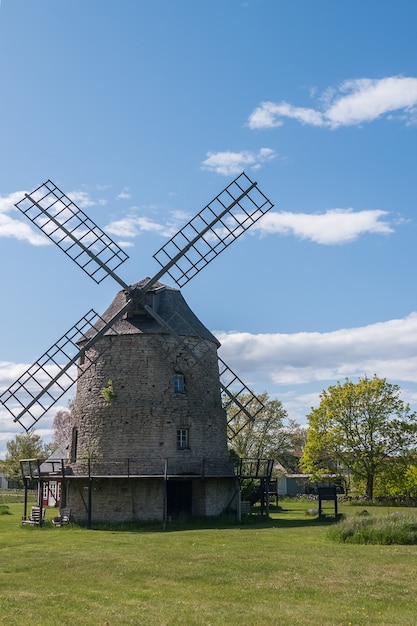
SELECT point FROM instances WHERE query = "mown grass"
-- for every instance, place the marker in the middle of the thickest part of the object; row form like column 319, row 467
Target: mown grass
column 285, row 570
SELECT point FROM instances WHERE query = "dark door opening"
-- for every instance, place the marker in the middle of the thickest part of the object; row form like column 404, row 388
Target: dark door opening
column 179, row 498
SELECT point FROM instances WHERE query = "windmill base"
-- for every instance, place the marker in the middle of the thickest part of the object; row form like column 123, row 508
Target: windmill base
column 145, row 499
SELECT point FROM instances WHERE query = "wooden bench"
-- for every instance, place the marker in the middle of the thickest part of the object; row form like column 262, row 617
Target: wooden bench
column 34, row 518
column 62, row 519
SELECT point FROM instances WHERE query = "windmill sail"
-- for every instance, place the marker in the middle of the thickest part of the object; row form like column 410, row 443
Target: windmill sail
column 212, row 230
column 200, row 241
column 47, row 380
column 60, row 219
column 247, row 405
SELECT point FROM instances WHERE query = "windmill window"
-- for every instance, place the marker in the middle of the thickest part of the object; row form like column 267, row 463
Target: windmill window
column 74, row 445
column 179, row 383
column 183, row 438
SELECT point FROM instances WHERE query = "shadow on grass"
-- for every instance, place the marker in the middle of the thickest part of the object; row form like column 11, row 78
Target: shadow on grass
column 223, row 522
column 249, row 522
column 279, row 517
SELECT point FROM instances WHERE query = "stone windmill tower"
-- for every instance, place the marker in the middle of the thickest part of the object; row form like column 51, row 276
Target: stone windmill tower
column 149, row 421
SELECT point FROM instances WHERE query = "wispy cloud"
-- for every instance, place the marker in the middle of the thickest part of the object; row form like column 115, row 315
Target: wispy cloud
column 124, row 194
column 231, row 163
column 134, row 225
column 9, row 373
column 353, row 102
column 13, row 227
column 82, row 199
column 334, row 226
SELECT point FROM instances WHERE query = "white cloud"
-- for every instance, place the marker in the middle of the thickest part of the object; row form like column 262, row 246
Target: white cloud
column 81, row 198
column 385, row 348
column 231, row 163
column 367, row 99
column 269, row 114
column 125, row 244
column 124, row 194
column 335, row 226
column 14, row 228
column 295, row 368
column 9, row 373
column 134, row 225
column 22, row 230
column 354, row 102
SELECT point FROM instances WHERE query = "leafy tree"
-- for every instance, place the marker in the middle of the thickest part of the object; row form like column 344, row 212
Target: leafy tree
column 62, row 428
column 411, row 481
column 25, row 446
column 269, row 435
column 359, row 427
column 397, row 479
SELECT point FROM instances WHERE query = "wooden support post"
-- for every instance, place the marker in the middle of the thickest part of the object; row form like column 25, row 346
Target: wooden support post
column 25, row 507
column 239, row 501
column 40, row 499
column 267, row 496
column 165, row 495
column 90, row 496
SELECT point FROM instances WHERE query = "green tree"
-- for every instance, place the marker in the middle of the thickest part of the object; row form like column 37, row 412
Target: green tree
column 269, row 435
column 397, row 479
column 62, row 428
column 359, row 427
column 25, row 446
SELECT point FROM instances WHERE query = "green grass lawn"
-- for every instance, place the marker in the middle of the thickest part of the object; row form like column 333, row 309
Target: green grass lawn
column 283, row 571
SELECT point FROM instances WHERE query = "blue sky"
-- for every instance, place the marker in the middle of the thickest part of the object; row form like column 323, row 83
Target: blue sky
column 143, row 111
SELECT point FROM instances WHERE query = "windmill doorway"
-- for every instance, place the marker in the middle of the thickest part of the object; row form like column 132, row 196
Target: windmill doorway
column 179, row 499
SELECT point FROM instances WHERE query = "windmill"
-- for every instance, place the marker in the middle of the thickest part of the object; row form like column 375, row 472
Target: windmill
column 153, row 313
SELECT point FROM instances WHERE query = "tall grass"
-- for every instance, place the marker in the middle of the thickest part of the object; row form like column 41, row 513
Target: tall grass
column 395, row 528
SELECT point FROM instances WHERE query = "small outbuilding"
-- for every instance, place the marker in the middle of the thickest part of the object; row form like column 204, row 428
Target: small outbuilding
column 52, row 469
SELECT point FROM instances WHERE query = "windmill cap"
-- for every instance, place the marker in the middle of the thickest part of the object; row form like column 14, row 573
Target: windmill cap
column 167, row 302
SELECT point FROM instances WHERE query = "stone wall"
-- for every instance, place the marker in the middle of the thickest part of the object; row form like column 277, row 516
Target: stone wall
column 214, row 497
column 143, row 500
column 142, row 420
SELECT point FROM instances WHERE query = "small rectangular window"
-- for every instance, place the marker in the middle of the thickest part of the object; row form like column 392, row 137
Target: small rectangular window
column 74, row 445
column 183, row 440
column 179, row 384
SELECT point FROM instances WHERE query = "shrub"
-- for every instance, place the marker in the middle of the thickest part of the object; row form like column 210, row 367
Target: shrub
column 395, row 528
column 4, row 509
column 108, row 393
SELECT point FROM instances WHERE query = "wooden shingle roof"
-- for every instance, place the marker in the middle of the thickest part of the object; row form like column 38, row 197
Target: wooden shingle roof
column 166, row 301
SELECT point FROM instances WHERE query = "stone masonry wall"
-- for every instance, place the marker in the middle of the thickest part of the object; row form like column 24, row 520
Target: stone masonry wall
column 143, row 419
column 116, row 500
column 130, row 500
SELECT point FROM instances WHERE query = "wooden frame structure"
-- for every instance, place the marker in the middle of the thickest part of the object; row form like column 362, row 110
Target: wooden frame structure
column 328, row 493
column 34, row 470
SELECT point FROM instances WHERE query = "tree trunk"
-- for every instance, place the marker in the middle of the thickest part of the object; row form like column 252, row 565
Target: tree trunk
column 370, row 487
